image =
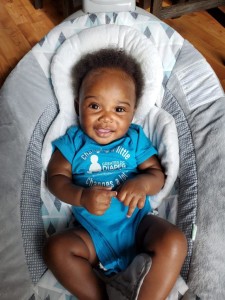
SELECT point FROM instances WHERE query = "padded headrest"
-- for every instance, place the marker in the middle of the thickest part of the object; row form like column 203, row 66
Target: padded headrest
column 131, row 40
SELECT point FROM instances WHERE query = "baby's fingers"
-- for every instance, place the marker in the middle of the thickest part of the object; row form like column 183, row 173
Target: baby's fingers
column 131, row 208
column 113, row 194
column 133, row 205
column 140, row 204
column 108, row 191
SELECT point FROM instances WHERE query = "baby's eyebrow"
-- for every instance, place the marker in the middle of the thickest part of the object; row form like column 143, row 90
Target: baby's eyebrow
column 124, row 103
column 89, row 96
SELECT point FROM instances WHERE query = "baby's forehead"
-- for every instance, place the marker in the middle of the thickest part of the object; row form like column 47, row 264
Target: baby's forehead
column 111, row 74
column 109, row 78
column 108, row 70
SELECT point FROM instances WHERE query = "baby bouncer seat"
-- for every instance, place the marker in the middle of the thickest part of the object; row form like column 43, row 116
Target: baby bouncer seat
column 182, row 110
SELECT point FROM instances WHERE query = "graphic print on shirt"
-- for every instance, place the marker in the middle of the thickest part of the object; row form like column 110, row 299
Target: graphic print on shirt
column 108, row 167
column 95, row 166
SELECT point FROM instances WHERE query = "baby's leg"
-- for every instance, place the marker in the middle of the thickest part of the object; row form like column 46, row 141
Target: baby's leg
column 167, row 246
column 71, row 256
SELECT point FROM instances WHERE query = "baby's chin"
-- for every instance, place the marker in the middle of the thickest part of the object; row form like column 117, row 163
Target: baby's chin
column 104, row 141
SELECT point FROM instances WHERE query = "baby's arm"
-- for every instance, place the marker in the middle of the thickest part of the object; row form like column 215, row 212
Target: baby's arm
column 59, row 181
column 149, row 181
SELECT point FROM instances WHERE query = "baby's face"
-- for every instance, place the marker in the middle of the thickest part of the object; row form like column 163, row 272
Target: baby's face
column 106, row 104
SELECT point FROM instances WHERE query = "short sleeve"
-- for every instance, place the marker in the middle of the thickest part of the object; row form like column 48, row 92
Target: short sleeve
column 65, row 144
column 144, row 147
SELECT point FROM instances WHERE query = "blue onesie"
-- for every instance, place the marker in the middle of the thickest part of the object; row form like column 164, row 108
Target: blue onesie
column 113, row 234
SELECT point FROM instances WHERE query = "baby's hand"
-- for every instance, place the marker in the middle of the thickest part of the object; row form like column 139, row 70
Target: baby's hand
column 132, row 194
column 97, row 199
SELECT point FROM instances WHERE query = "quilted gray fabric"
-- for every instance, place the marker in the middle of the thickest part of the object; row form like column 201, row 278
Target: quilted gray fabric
column 31, row 220
column 206, row 121
column 187, row 179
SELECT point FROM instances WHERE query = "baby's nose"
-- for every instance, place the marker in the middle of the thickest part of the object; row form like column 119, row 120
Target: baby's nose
column 106, row 117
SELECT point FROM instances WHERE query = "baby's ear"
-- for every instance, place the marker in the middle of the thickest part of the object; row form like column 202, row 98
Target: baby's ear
column 76, row 106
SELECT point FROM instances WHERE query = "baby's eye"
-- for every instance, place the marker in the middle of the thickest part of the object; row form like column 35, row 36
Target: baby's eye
column 120, row 109
column 94, row 106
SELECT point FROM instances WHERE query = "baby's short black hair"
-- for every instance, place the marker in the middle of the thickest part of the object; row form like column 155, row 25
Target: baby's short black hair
column 108, row 58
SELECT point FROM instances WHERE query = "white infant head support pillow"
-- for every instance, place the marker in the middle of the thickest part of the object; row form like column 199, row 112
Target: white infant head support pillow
column 159, row 126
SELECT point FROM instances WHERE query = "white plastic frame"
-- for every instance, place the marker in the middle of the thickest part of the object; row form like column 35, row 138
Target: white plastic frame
column 92, row 6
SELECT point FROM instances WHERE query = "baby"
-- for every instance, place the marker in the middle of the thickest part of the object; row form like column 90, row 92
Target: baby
column 107, row 169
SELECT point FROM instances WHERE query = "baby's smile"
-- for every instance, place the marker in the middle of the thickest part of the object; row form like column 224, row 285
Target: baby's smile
column 104, row 132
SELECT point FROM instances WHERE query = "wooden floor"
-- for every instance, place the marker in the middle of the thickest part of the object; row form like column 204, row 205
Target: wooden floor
column 207, row 35
column 22, row 26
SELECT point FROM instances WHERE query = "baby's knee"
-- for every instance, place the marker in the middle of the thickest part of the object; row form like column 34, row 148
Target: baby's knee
column 174, row 242
column 166, row 239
